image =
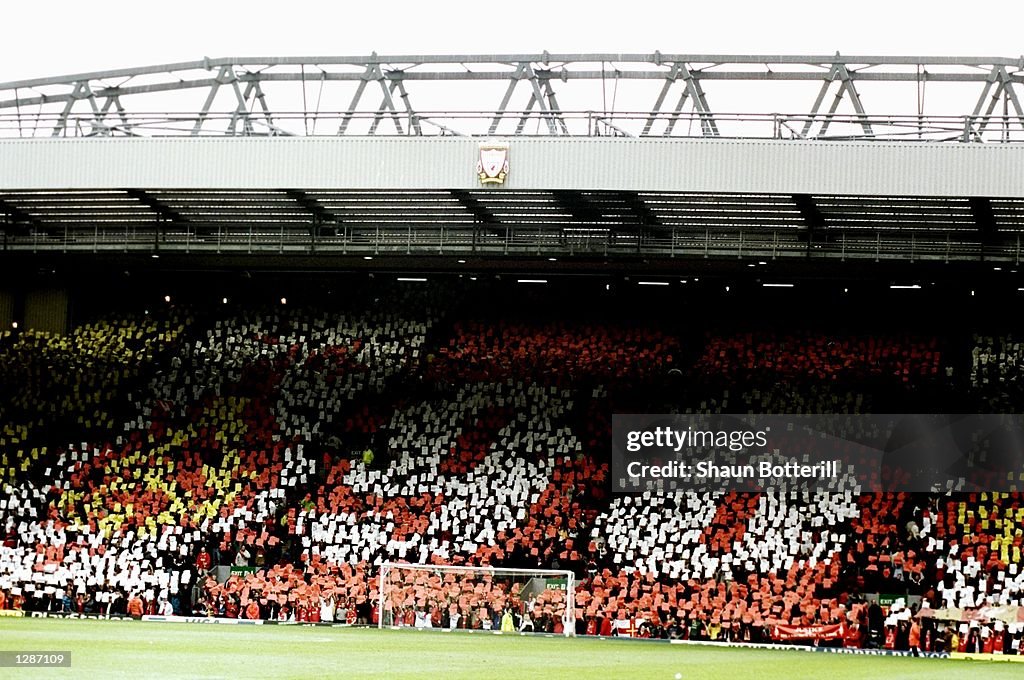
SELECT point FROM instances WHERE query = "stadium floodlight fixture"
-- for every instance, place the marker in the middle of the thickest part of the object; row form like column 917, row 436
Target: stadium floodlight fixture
column 912, row 286
column 224, row 300
column 14, row 324
column 412, row 278
column 652, row 283
column 727, row 289
column 777, row 285
column 167, row 298
column 531, row 280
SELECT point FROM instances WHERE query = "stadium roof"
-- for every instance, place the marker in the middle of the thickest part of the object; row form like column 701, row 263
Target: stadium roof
column 377, row 155
column 658, row 94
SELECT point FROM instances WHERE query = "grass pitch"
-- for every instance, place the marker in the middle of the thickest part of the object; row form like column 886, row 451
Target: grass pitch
column 120, row 649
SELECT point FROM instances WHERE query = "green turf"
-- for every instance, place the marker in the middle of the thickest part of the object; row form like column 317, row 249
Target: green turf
column 109, row 649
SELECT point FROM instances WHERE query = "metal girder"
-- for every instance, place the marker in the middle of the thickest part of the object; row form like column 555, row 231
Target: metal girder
column 413, row 118
column 639, row 208
column 243, row 109
column 480, row 212
column 262, row 99
column 81, row 90
column 14, row 214
column 387, row 105
column 319, row 213
column 554, row 111
column 656, row 59
column 503, row 106
column 811, row 216
column 839, row 72
column 692, row 91
column 577, row 205
column 985, row 219
column 166, row 212
column 17, row 100
column 226, row 74
column 389, row 84
column 347, row 118
column 115, row 102
column 1003, row 91
column 52, row 103
column 541, row 96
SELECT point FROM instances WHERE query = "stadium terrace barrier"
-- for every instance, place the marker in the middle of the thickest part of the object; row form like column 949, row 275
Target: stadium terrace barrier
column 810, row 648
column 203, row 619
column 68, row 615
column 987, row 657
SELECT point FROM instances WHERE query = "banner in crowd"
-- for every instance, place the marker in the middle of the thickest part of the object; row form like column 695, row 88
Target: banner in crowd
column 1005, row 613
column 807, row 648
column 785, row 633
column 203, row 619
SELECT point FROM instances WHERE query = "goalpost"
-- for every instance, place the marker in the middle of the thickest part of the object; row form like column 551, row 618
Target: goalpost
column 475, row 596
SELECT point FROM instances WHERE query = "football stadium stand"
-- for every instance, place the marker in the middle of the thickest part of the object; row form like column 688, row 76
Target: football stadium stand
column 252, row 357
column 299, row 448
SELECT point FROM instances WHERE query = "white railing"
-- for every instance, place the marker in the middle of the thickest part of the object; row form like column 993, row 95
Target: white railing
column 821, row 127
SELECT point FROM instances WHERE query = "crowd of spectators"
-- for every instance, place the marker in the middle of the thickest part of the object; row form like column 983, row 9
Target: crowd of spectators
column 304, row 447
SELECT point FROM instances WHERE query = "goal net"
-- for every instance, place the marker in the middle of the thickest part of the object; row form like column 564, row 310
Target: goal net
column 480, row 598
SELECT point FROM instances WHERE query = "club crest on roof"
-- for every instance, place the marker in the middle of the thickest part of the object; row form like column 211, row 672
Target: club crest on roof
column 492, row 164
